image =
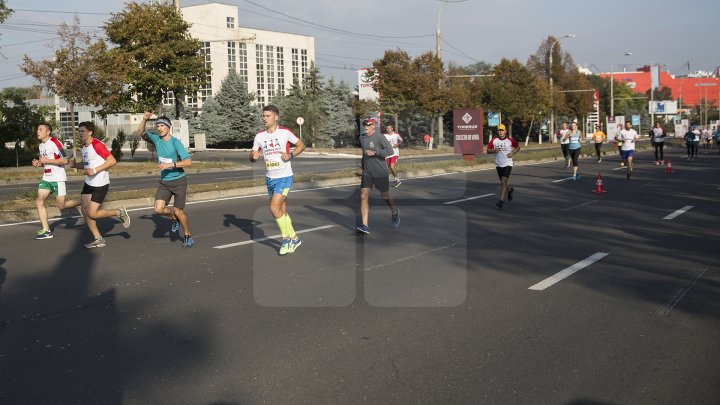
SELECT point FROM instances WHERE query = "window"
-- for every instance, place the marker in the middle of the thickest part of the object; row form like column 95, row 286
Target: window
column 206, row 89
column 304, row 60
column 191, row 101
column 230, row 22
column 295, row 65
column 260, row 71
column 280, row 71
column 270, row 62
column 232, row 56
column 168, row 98
column 66, row 127
column 243, row 62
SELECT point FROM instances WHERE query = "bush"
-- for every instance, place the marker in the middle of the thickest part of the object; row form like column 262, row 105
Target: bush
column 117, row 144
column 134, row 141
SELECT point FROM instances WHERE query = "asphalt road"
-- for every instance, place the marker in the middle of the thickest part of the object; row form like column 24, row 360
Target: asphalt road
column 463, row 303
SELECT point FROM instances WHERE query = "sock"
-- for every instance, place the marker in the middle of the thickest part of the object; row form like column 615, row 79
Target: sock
column 283, row 228
column 289, row 227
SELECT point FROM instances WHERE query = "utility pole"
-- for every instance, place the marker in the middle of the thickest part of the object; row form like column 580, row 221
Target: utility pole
column 552, row 99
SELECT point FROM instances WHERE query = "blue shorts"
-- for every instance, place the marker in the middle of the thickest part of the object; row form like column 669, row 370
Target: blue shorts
column 625, row 154
column 281, row 185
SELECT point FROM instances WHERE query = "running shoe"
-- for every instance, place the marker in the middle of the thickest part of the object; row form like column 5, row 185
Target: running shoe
column 397, row 183
column 662, row 163
column 284, row 247
column 188, row 241
column 362, row 229
column 97, row 243
column 124, row 217
column 622, row 164
column 657, row 163
column 510, row 194
column 574, row 177
column 175, row 226
column 44, row 234
column 396, row 219
column 500, row 204
column 294, row 244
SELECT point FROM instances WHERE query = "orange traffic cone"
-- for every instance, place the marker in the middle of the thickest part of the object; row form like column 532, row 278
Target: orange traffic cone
column 599, row 189
column 668, row 168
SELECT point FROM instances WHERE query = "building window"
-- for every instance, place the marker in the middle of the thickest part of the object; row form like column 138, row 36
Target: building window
column 304, row 62
column 206, row 89
column 270, row 62
column 295, row 65
column 66, row 127
column 191, row 101
column 280, row 71
column 243, row 63
column 232, row 56
column 168, row 98
column 230, row 22
column 260, row 71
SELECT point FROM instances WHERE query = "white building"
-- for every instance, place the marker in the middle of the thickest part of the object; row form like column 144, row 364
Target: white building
column 268, row 61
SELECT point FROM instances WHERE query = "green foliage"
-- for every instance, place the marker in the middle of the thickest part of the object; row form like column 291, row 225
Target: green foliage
column 229, row 117
column 134, row 141
column 5, row 12
column 155, row 54
column 117, row 144
column 19, row 119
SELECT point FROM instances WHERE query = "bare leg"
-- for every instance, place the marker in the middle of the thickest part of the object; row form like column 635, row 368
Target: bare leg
column 180, row 215
column 364, row 204
column 42, row 195
column 92, row 212
column 504, row 187
column 389, row 201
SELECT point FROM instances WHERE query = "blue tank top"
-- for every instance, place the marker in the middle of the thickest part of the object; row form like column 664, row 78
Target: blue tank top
column 575, row 140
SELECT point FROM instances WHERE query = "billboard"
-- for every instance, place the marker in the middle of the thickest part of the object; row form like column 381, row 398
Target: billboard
column 614, row 125
column 681, row 127
column 365, row 85
column 662, row 107
column 468, row 131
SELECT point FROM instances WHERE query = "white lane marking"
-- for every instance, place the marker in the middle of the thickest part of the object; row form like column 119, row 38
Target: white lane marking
column 567, row 272
column 247, row 242
column 581, row 205
column 665, row 309
column 558, row 181
column 468, row 199
column 679, row 212
column 620, row 168
column 402, row 259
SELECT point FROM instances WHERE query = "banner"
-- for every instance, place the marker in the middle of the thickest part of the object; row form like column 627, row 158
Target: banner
column 614, row 125
column 493, row 119
column 681, row 127
column 663, row 107
column 365, row 86
column 468, row 131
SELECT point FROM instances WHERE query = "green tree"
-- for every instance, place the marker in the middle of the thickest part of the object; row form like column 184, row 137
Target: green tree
column 340, row 117
column 117, row 144
column 159, row 56
column 229, row 116
column 393, row 80
column 5, row 12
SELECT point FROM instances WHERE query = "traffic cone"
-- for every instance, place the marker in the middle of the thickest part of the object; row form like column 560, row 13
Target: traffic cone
column 668, row 168
column 599, row 189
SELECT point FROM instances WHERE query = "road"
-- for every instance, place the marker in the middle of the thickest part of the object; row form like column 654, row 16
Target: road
column 562, row 297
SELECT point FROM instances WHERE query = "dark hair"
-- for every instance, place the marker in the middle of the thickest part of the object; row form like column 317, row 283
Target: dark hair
column 271, row 108
column 48, row 126
column 390, row 125
column 87, row 125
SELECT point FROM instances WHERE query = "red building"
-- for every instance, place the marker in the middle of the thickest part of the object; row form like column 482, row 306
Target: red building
column 684, row 89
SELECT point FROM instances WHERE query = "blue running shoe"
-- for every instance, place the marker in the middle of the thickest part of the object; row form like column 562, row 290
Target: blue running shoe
column 44, row 234
column 396, row 219
column 362, row 229
column 188, row 241
column 175, row 226
column 294, row 244
column 284, row 247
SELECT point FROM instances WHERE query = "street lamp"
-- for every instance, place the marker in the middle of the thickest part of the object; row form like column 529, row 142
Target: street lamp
column 706, row 85
column 552, row 99
column 612, row 85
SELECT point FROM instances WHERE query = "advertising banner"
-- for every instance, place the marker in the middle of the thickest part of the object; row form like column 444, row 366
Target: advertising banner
column 662, row 107
column 467, row 131
column 614, row 125
column 493, row 119
column 365, row 86
column 681, row 127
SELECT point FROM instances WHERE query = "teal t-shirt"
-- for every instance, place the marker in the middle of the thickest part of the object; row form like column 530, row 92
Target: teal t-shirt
column 574, row 140
column 170, row 151
column 690, row 138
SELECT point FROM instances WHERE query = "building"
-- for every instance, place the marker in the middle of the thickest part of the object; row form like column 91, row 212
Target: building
column 268, row 61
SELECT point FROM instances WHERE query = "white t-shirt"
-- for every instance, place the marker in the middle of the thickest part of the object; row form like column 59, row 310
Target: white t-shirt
column 273, row 145
column 658, row 135
column 627, row 137
column 504, row 146
column 94, row 155
column 561, row 134
column 53, row 149
column 393, row 139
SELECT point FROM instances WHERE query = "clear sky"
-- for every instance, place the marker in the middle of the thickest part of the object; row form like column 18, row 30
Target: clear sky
column 661, row 31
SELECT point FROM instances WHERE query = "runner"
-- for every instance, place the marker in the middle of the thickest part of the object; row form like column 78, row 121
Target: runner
column 717, row 138
column 707, row 138
column 657, row 136
column 274, row 145
column 690, row 144
column 574, row 138
column 599, row 138
column 426, row 141
column 698, row 136
column 628, row 136
column 52, row 159
column 395, row 141
column 172, row 159
column 96, row 162
column 374, row 173
column 564, row 143
column 504, row 149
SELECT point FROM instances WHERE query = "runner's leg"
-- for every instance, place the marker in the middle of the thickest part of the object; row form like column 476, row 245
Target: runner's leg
column 42, row 195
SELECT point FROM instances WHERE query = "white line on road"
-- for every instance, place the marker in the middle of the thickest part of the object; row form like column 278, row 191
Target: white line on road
column 567, row 272
column 402, row 259
column 247, row 242
column 665, row 309
column 558, row 181
column 468, row 199
column 679, row 212
column 581, row 205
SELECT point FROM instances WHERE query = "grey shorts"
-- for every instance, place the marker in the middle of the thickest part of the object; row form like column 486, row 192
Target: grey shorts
column 176, row 188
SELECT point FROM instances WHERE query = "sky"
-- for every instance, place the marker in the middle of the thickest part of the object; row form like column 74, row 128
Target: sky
column 661, row 32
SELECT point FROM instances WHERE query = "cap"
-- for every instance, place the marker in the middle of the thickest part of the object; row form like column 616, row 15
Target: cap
column 501, row 127
column 368, row 121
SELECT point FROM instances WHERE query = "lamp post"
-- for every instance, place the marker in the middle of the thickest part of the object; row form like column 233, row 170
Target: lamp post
column 552, row 99
column 705, row 122
column 612, row 85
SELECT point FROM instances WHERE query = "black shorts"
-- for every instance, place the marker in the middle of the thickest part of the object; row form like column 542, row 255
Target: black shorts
column 98, row 193
column 177, row 188
column 381, row 183
column 503, row 171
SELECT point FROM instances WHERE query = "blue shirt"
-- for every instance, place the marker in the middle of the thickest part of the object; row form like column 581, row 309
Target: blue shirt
column 170, row 151
column 575, row 140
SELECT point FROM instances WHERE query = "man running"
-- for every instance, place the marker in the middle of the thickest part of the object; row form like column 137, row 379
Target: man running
column 717, row 138
column 172, row 159
column 574, row 137
column 627, row 137
column 657, row 136
column 504, row 149
column 274, row 145
column 564, row 142
column 52, row 159
column 395, row 141
column 599, row 138
column 690, row 144
column 96, row 162
column 375, row 149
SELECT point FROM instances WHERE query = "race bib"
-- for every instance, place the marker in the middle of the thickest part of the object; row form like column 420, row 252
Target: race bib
column 273, row 165
column 164, row 160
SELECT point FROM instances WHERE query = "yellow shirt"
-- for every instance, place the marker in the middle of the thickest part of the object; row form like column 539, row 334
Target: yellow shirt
column 599, row 136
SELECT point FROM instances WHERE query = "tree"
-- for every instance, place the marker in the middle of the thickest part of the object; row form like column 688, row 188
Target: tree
column 5, row 12
column 18, row 124
column 158, row 55
column 340, row 117
column 229, row 116
column 393, row 80
column 665, row 93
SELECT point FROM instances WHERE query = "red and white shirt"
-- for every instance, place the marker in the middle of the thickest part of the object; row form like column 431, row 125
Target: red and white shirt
column 503, row 146
column 394, row 138
column 53, row 149
column 95, row 155
column 273, row 145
